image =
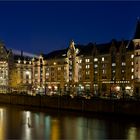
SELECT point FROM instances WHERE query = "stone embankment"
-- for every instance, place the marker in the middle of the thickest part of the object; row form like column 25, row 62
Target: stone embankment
column 77, row 104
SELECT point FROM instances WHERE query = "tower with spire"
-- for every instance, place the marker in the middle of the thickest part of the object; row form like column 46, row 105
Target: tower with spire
column 72, row 66
column 136, row 41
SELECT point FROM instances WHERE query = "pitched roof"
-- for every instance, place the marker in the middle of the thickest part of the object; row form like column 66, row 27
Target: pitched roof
column 22, row 58
column 87, row 50
column 130, row 46
column 20, row 55
column 56, row 54
column 103, row 48
column 137, row 32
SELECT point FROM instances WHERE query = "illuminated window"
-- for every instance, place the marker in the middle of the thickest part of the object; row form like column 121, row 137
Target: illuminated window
column 70, row 73
column 123, row 63
column 113, row 71
column 113, row 64
column 95, row 66
column 95, row 59
column 24, row 61
column 63, row 54
column 87, row 60
column 95, row 72
column 80, row 61
column 132, row 55
column 104, row 71
column 47, row 74
column 19, row 61
column 122, row 71
column 59, row 68
column 80, row 77
column 103, row 59
column 70, row 62
column 80, row 67
column 104, row 65
column 132, row 70
column 132, row 63
column 54, row 63
column 132, row 77
column 87, row 72
column 87, row 66
column 27, row 72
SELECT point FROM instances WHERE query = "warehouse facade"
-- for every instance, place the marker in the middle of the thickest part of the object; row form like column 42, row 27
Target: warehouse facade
column 97, row 69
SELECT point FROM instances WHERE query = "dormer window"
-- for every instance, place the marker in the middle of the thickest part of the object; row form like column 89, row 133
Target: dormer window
column 24, row 61
column 19, row 61
column 63, row 54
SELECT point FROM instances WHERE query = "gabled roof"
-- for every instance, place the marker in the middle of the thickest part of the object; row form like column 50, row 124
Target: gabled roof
column 22, row 55
column 2, row 44
column 17, row 57
column 103, row 48
column 56, row 54
column 130, row 46
column 87, row 50
column 137, row 32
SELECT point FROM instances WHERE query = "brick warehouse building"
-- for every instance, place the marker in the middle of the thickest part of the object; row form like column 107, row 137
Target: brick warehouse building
column 98, row 69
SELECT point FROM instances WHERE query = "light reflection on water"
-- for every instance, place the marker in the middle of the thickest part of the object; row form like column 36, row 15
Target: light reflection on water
column 16, row 123
column 2, row 125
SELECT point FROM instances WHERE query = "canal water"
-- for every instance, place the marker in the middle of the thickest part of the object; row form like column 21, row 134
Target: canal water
column 35, row 124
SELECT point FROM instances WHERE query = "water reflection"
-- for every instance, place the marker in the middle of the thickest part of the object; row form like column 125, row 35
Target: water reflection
column 132, row 133
column 80, row 128
column 55, row 129
column 16, row 123
column 47, row 127
column 2, row 122
column 26, row 126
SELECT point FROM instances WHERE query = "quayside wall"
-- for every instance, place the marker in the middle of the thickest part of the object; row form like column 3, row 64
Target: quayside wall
column 64, row 102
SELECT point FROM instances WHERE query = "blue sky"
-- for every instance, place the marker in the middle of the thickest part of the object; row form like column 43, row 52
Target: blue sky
column 42, row 26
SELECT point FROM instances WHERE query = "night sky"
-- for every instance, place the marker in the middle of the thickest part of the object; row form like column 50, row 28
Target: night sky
column 46, row 26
